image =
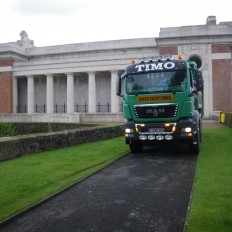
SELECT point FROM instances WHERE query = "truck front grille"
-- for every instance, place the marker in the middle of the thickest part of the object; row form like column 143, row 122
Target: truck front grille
column 156, row 111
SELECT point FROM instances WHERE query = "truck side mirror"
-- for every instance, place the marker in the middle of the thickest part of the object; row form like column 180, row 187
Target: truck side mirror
column 199, row 81
column 118, row 86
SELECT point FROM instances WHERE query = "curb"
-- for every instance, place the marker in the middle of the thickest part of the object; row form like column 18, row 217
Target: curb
column 190, row 198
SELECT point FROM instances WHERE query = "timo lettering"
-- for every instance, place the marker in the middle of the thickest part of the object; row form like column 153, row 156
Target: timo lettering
column 154, row 66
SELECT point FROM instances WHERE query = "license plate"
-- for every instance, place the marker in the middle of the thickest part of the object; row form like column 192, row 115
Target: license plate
column 156, row 130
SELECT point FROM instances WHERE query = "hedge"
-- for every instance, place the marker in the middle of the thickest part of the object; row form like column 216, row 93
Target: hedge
column 7, row 129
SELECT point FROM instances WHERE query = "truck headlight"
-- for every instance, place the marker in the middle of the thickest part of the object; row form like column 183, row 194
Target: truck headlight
column 159, row 137
column 151, row 137
column 143, row 137
column 188, row 129
column 169, row 137
column 129, row 130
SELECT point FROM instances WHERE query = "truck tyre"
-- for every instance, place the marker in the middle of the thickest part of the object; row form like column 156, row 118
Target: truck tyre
column 195, row 148
column 136, row 147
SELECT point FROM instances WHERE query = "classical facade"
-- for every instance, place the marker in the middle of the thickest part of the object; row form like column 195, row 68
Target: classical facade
column 80, row 79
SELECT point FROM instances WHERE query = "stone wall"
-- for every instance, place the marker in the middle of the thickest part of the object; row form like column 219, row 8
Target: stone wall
column 12, row 147
column 64, row 118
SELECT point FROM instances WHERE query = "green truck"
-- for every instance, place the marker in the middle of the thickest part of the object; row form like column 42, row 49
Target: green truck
column 162, row 102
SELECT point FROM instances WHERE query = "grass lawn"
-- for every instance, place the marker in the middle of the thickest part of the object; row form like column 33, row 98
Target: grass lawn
column 29, row 179
column 211, row 208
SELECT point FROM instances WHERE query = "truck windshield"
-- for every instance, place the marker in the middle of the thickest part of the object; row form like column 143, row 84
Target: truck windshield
column 167, row 81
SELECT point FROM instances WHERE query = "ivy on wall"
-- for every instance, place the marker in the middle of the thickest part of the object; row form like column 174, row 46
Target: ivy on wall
column 7, row 129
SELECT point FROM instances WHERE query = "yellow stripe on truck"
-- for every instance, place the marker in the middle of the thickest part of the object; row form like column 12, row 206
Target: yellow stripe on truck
column 156, row 98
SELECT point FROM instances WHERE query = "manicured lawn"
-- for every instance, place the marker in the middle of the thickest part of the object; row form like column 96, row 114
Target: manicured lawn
column 29, row 179
column 211, row 208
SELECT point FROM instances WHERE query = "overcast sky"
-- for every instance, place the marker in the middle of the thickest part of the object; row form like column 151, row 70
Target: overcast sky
column 54, row 22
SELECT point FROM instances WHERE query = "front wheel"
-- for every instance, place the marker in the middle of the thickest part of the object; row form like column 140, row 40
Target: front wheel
column 194, row 146
column 136, row 147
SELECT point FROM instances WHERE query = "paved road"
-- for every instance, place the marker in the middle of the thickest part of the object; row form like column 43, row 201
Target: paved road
column 146, row 192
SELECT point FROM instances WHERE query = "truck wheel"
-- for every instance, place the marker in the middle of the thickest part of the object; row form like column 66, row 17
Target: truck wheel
column 136, row 147
column 195, row 148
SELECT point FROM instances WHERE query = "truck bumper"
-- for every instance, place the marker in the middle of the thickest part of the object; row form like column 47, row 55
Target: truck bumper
column 148, row 133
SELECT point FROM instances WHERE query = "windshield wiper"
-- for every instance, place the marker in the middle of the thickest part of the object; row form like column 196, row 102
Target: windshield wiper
column 168, row 91
column 155, row 92
column 146, row 92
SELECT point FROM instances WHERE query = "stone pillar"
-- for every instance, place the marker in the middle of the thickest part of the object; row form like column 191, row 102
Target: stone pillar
column 15, row 94
column 50, row 94
column 30, row 95
column 114, row 97
column 70, row 93
column 92, row 93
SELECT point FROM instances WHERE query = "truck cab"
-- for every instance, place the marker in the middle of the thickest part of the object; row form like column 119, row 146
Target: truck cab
column 162, row 102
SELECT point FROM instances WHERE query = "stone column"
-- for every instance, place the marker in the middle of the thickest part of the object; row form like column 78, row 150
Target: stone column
column 50, row 94
column 92, row 93
column 70, row 93
column 15, row 94
column 114, row 97
column 30, row 95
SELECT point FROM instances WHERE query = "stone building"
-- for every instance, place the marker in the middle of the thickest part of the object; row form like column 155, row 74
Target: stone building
column 76, row 81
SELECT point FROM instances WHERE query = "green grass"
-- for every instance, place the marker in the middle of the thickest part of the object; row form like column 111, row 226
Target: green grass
column 211, row 208
column 29, row 179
